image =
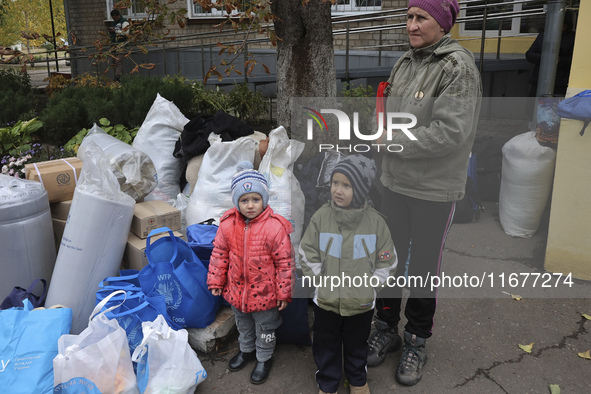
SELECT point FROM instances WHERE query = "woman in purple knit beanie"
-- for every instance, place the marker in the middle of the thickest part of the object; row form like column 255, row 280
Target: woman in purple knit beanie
column 438, row 82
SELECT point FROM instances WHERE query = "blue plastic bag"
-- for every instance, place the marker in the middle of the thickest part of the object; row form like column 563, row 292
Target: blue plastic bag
column 200, row 237
column 577, row 107
column 175, row 272
column 132, row 308
column 28, row 344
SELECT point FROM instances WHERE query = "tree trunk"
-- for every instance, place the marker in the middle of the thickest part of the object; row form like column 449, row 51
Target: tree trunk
column 305, row 57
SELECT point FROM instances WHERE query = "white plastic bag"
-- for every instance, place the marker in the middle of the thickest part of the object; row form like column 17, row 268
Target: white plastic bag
column 157, row 137
column 212, row 195
column 166, row 362
column 97, row 360
column 285, row 195
column 133, row 168
column 526, row 182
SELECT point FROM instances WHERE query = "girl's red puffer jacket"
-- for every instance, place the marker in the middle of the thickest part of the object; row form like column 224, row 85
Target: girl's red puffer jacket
column 252, row 262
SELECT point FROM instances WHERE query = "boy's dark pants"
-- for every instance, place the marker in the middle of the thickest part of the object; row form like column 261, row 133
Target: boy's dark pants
column 336, row 336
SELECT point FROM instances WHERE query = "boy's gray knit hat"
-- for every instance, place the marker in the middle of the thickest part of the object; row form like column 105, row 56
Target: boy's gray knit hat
column 361, row 172
column 249, row 180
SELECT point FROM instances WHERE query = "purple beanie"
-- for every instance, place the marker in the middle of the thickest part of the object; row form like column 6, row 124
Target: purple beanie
column 445, row 12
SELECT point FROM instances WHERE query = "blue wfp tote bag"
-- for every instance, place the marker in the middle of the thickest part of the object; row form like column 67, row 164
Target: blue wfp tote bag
column 175, row 272
column 28, row 344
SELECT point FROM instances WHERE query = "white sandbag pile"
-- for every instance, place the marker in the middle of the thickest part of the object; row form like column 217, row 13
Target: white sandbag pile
column 157, row 138
column 212, row 195
column 134, row 169
column 27, row 247
column 526, row 183
column 94, row 238
column 285, row 195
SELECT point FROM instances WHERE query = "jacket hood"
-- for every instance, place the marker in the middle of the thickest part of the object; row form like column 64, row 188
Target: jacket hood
column 441, row 48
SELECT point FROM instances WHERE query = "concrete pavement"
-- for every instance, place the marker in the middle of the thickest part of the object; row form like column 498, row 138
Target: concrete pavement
column 477, row 332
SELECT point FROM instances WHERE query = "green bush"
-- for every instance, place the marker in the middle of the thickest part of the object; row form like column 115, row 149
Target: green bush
column 18, row 138
column 78, row 107
column 119, row 131
column 240, row 102
column 248, row 105
column 137, row 94
column 16, row 97
column 73, row 109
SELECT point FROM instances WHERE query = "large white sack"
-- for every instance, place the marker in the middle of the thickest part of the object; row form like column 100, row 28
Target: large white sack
column 134, row 169
column 285, row 195
column 94, row 238
column 526, row 182
column 27, row 247
column 157, row 137
column 212, row 195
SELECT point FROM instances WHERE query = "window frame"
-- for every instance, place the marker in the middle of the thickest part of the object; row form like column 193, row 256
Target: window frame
column 515, row 25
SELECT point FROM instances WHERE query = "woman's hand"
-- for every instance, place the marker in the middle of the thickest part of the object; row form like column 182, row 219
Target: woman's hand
column 216, row 292
column 282, row 304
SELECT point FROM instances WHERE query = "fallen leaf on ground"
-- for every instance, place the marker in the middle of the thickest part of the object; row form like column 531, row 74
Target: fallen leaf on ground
column 586, row 316
column 586, row 355
column 526, row 348
column 516, row 297
column 554, row 389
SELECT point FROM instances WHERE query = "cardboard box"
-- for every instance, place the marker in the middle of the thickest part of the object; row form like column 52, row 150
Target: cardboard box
column 58, row 231
column 135, row 250
column 150, row 215
column 60, row 210
column 56, row 176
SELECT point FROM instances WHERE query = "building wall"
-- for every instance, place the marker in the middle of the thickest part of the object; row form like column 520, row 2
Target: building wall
column 569, row 236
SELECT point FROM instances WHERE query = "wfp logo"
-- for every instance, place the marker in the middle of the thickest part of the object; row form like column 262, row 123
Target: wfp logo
column 389, row 119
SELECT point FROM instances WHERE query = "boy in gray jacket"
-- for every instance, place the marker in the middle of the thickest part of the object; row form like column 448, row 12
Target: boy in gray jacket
column 346, row 254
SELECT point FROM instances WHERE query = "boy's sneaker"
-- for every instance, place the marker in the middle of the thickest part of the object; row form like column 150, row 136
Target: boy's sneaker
column 414, row 357
column 382, row 340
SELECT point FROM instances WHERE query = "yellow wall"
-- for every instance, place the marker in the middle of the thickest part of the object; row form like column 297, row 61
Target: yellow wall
column 508, row 44
column 569, row 237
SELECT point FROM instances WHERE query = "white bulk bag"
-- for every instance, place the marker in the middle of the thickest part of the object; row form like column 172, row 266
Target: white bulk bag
column 157, row 137
column 94, row 238
column 285, row 195
column 526, row 182
column 212, row 195
column 133, row 168
column 27, row 247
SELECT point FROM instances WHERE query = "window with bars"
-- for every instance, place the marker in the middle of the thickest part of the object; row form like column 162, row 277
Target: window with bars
column 196, row 11
column 356, row 5
column 512, row 17
column 135, row 11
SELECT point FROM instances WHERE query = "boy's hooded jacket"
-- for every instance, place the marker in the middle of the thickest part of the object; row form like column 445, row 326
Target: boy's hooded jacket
column 347, row 243
column 252, row 262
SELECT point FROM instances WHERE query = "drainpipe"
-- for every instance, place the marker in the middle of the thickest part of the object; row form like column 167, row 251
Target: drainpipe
column 551, row 47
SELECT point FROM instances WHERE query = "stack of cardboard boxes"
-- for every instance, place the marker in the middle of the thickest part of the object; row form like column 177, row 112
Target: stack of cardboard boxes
column 149, row 216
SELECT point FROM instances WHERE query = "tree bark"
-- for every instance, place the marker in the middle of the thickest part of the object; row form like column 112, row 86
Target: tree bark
column 305, row 56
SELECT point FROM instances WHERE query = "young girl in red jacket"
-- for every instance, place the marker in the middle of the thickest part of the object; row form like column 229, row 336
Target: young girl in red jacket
column 251, row 266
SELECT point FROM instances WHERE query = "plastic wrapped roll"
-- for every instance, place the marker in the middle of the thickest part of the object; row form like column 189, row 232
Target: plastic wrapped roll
column 94, row 238
column 27, row 247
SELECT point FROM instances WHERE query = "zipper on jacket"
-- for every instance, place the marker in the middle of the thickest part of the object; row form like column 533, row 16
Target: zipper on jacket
column 372, row 268
column 244, row 260
column 328, row 245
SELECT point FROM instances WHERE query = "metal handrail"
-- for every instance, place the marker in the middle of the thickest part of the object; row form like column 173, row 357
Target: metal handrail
column 199, row 40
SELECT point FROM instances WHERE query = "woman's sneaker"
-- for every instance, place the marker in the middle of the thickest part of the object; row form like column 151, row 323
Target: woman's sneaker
column 382, row 340
column 414, row 357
